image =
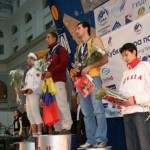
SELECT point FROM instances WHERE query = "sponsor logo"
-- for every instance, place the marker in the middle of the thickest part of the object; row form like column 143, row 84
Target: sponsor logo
column 102, row 16
column 112, row 112
column 64, row 42
column 128, row 18
column 107, row 79
column 138, row 28
column 146, row 58
column 139, row 3
column 113, row 86
column 141, row 11
column 116, row 25
column 118, row 9
column 54, row 11
column 105, row 71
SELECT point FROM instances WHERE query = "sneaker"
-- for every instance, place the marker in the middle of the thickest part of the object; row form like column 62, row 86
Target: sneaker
column 100, row 145
column 65, row 131
column 86, row 145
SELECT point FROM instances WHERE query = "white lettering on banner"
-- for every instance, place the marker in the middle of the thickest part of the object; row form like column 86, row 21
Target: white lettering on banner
column 138, row 3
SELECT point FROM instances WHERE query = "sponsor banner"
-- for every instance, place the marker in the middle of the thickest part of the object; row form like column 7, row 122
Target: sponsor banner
column 111, row 73
column 117, row 13
column 64, row 42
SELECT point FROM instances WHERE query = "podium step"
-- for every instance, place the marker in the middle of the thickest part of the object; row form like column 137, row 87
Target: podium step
column 49, row 142
column 24, row 145
column 57, row 142
column 106, row 148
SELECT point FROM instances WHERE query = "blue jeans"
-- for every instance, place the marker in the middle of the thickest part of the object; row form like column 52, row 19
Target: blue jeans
column 94, row 115
column 137, row 131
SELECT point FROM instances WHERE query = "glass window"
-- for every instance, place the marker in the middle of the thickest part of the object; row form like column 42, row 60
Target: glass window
column 49, row 24
column 45, row 3
column 1, row 34
column 28, row 17
column 3, row 93
column 16, row 48
column 1, row 49
column 29, row 38
column 14, row 29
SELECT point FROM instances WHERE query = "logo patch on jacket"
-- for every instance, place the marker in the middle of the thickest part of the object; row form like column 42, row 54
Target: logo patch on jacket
column 38, row 75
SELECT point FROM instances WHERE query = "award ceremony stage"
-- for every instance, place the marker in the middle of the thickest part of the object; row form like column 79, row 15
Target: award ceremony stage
column 53, row 142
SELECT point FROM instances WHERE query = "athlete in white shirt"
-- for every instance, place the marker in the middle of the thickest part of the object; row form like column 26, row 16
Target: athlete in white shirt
column 33, row 93
column 135, row 84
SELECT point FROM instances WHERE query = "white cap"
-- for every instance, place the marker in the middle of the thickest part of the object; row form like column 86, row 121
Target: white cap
column 33, row 55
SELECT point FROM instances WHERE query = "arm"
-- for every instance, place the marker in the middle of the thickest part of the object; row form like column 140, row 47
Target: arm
column 21, row 128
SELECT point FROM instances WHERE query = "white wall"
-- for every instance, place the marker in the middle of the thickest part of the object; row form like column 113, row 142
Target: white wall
column 40, row 17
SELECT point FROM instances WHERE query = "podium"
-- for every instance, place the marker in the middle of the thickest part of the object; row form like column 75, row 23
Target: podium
column 54, row 142
column 49, row 142
column 24, row 146
column 57, row 142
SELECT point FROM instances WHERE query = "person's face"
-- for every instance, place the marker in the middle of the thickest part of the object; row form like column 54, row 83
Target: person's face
column 129, row 56
column 15, row 113
column 80, row 31
column 30, row 60
column 49, row 39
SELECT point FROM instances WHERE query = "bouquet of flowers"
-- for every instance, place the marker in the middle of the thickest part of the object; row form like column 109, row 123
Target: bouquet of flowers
column 114, row 97
column 41, row 65
column 47, row 84
column 96, row 54
column 110, row 95
column 17, row 80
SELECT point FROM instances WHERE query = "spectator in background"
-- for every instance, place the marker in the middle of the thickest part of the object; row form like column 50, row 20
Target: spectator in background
column 25, row 124
column 17, row 124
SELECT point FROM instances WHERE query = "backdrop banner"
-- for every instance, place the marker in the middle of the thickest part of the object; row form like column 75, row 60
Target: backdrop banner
column 136, row 32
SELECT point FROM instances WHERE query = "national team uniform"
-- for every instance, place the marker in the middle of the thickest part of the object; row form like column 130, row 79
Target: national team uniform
column 136, row 82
